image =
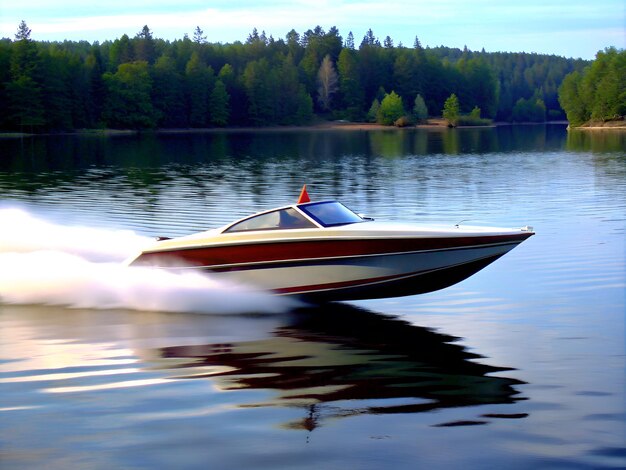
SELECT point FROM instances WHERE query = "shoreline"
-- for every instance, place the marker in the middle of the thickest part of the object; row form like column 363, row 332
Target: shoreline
column 617, row 124
column 431, row 124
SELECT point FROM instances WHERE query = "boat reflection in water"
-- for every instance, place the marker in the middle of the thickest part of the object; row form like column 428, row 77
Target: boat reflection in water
column 337, row 360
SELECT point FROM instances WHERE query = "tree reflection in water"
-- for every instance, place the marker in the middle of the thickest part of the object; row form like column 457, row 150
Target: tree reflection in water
column 337, row 360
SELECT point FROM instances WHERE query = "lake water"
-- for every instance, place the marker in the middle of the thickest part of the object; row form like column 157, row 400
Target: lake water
column 521, row 366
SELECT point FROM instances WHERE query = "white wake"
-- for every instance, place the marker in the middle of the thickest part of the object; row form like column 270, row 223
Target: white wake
column 48, row 263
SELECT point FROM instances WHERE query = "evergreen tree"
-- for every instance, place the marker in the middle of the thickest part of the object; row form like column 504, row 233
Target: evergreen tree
column 349, row 83
column 350, row 41
column 23, row 32
column 293, row 45
column 129, row 104
column 218, row 102
column 260, row 103
column 309, row 66
column 198, row 36
column 168, row 94
column 56, row 90
column 304, row 109
column 62, row 85
column 24, row 100
column 25, row 106
column 407, row 79
column 370, row 40
column 420, row 111
column 530, row 110
column 144, row 46
column 199, row 79
column 96, row 91
column 372, row 114
column 121, row 52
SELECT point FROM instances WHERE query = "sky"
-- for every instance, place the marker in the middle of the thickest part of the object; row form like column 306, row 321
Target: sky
column 569, row 28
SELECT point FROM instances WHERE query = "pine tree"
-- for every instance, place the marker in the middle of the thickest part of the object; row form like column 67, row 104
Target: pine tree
column 372, row 114
column 199, row 80
column 23, row 32
column 198, row 37
column 25, row 106
column 144, row 45
column 129, row 104
column 218, row 102
column 350, row 41
column 420, row 111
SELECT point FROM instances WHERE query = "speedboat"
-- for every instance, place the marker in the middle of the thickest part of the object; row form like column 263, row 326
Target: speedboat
column 323, row 251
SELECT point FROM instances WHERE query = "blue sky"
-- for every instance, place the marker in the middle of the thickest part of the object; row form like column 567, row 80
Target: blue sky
column 570, row 28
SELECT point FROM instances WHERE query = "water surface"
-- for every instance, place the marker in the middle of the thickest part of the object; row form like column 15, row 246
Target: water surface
column 522, row 365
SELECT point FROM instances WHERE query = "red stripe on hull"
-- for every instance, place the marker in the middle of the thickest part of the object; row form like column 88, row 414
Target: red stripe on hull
column 293, row 250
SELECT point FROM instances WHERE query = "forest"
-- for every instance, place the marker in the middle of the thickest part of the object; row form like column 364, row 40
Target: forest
column 598, row 92
column 143, row 82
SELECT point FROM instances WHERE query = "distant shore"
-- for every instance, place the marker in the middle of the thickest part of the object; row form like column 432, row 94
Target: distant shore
column 433, row 124
column 601, row 126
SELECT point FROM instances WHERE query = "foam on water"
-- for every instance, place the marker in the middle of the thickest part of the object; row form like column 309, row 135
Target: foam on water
column 46, row 263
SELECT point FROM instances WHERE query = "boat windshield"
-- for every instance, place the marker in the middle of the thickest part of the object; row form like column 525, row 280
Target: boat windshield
column 330, row 213
column 276, row 220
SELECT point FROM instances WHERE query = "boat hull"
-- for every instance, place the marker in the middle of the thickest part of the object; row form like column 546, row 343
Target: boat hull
column 344, row 269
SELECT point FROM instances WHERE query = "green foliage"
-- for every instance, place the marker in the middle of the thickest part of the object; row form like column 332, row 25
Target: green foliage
column 258, row 92
column 372, row 114
column 420, row 111
column 472, row 120
column 451, row 110
column 25, row 106
column 219, row 104
column 531, row 110
column 199, row 79
column 168, row 94
column 571, row 99
column 391, row 109
column 351, row 92
column 128, row 104
column 144, row 45
column 143, row 81
column 275, row 95
column 479, row 85
column 599, row 92
column 23, row 32
column 304, row 108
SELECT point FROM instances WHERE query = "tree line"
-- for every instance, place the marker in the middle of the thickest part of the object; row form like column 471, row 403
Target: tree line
column 144, row 82
column 597, row 93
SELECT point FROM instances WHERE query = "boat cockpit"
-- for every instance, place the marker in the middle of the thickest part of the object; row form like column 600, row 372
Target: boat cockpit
column 300, row 216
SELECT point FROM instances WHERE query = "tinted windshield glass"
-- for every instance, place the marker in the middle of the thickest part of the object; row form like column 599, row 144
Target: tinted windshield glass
column 331, row 213
column 282, row 219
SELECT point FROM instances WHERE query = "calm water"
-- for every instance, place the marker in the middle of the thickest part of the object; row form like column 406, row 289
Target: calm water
column 521, row 366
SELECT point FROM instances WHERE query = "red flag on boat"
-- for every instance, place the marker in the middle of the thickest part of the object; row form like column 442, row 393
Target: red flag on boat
column 304, row 196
